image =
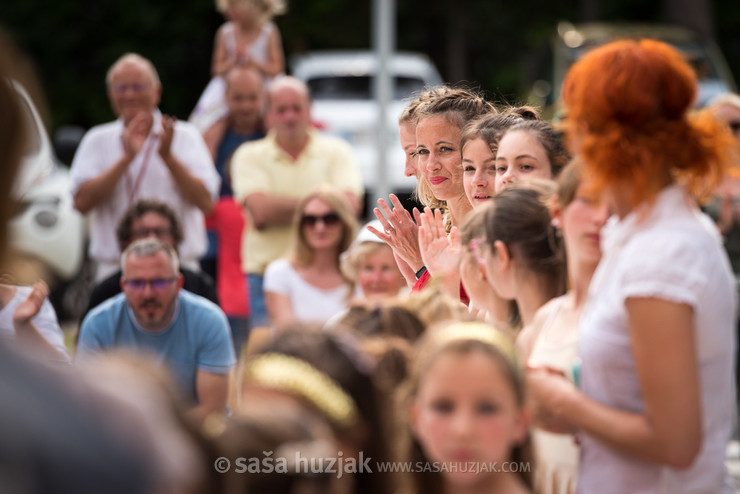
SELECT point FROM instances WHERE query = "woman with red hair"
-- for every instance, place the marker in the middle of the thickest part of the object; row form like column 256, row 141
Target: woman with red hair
column 655, row 407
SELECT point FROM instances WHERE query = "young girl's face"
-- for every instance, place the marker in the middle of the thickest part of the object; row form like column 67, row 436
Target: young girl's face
column 520, row 156
column 581, row 223
column 439, row 160
column 479, row 171
column 466, row 411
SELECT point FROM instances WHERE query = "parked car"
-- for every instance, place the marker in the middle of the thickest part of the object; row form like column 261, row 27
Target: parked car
column 45, row 228
column 571, row 42
column 341, row 88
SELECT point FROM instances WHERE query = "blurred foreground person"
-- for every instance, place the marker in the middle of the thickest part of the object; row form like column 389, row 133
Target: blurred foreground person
column 56, row 435
column 656, row 404
column 27, row 316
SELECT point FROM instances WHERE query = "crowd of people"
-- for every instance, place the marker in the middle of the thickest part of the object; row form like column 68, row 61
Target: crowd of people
column 559, row 316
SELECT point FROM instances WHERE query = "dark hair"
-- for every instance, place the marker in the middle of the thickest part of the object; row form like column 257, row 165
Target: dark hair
column 519, row 217
column 472, row 228
column 284, row 431
column 526, row 112
column 139, row 209
column 340, row 358
column 387, row 333
column 550, row 139
column 490, row 128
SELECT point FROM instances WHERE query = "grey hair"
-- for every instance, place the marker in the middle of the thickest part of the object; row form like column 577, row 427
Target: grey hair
column 149, row 247
column 137, row 59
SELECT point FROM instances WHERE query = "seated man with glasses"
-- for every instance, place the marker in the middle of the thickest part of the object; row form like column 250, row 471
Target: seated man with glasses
column 153, row 315
column 151, row 218
column 143, row 154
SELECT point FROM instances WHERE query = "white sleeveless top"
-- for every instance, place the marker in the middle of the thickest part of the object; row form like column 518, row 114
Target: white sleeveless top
column 556, row 455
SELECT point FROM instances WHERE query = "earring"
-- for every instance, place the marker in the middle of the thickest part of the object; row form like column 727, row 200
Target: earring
column 555, row 222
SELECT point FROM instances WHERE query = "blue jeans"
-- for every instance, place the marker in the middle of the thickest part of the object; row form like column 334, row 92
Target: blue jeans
column 258, row 310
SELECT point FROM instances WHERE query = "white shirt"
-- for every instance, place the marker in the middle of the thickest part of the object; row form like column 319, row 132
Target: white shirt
column 673, row 253
column 147, row 177
column 45, row 321
column 310, row 304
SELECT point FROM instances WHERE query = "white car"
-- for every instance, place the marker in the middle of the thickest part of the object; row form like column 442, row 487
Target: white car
column 341, row 89
column 45, row 227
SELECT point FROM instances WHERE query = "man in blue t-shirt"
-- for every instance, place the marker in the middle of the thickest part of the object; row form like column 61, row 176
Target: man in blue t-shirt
column 188, row 333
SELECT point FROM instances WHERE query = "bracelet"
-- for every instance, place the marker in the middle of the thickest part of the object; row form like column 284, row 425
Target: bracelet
column 421, row 272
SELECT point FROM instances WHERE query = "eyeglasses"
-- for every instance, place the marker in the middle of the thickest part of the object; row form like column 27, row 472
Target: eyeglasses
column 310, row 220
column 734, row 126
column 136, row 87
column 476, row 247
column 147, row 232
column 137, row 284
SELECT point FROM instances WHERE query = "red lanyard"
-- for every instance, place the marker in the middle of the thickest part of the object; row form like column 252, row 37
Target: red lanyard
column 131, row 190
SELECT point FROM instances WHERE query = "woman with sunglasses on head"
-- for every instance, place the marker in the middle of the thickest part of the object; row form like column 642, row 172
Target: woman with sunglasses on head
column 654, row 409
column 308, row 285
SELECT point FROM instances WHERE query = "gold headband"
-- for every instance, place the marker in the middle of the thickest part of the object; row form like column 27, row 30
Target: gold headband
column 297, row 376
column 478, row 331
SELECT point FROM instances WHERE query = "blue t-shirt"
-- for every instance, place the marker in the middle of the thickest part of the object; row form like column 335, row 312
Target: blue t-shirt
column 197, row 338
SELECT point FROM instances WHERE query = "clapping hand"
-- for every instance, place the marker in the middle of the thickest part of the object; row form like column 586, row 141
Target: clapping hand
column 400, row 231
column 136, row 133
column 165, row 140
column 440, row 253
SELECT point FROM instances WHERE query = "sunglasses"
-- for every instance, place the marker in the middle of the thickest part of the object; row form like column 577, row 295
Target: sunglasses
column 310, row 220
column 137, row 284
column 734, row 126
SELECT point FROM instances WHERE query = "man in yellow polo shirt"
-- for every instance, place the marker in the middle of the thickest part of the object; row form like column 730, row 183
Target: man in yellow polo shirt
column 269, row 176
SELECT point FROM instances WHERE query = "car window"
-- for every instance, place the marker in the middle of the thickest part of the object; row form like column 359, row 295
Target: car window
column 358, row 87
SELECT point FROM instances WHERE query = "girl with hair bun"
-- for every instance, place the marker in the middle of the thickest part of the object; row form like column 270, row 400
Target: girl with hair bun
column 655, row 408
